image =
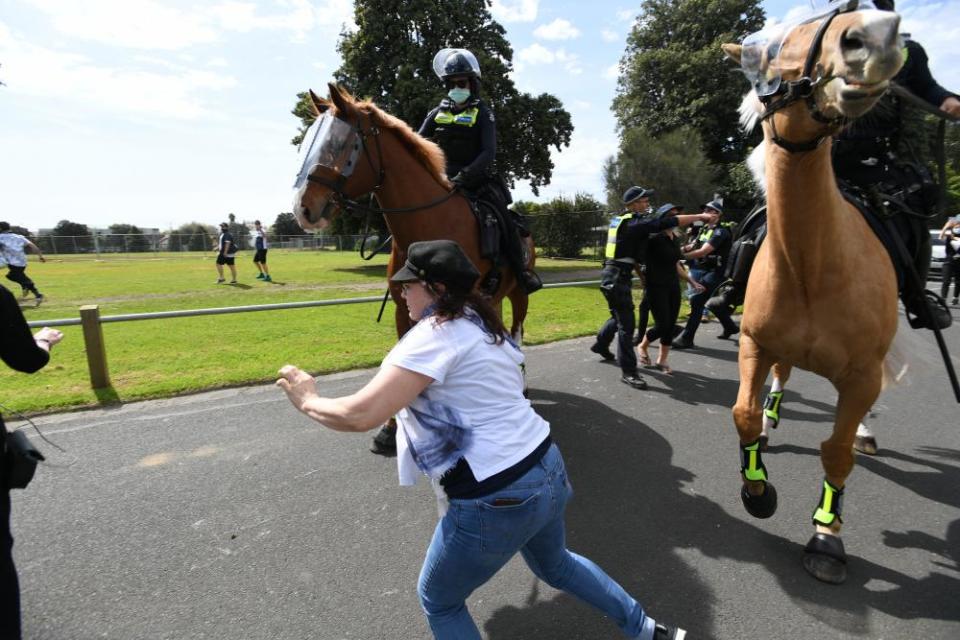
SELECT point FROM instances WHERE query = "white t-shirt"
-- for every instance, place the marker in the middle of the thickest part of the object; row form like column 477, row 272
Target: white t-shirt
column 11, row 247
column 475, row 409
column 260, row 238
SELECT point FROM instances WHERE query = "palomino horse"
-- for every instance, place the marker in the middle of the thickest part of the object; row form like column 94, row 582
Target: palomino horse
column 822, row 294
column 354, row 148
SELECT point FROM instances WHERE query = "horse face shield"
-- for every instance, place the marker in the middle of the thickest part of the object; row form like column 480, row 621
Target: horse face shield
column 332, row 145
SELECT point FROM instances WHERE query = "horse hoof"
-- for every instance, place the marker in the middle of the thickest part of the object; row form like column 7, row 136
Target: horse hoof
column 764, row 442
column 865, row 444
column 825, row 559
column 763, row 505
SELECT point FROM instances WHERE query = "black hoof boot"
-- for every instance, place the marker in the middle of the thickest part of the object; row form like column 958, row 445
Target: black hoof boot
column 763, row 505
column 385, row 442
column 825, row 559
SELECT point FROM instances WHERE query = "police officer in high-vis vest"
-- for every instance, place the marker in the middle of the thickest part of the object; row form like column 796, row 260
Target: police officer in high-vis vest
column 873, row 153
column 464, row 127
column 707, row 253
column 626, row 247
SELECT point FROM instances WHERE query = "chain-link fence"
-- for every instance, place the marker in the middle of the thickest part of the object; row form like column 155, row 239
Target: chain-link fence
column 178, row 242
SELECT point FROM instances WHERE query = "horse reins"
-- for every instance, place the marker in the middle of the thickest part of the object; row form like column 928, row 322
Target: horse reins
column 803, row 89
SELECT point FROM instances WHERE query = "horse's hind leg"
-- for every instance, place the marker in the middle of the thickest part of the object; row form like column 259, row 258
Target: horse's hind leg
column 771, row 404
column 824, row 556
column 519, row 303
column 758, row 495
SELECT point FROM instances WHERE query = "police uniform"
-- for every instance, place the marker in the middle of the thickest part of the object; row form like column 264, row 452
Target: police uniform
column 708, row 271
column 627, row 239
column 467, row 134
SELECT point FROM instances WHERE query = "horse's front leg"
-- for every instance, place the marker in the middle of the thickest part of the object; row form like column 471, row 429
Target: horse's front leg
column 771, row 404
column 824, row 556
column 758, row 495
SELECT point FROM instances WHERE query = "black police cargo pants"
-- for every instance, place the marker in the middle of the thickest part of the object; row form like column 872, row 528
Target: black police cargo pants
column 620, row 324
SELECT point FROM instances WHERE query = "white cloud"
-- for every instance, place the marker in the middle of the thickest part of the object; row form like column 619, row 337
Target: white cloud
column 609, row 36
column 149, row 24
column 612, row 72
column 627, row 15
column 515, row 10
column 537, row 54
column 559, row 29
column 71, row 78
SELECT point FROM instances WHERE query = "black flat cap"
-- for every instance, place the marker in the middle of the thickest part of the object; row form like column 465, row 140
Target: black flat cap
column 440, row 261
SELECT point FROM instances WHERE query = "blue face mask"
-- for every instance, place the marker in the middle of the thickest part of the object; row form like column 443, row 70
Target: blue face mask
column 459, row 95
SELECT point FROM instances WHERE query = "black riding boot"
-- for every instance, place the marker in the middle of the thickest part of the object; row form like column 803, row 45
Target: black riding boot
column 925, row 309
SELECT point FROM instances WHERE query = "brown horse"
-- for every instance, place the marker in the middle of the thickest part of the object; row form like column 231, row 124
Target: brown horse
column 822, row 294
column 366, row 150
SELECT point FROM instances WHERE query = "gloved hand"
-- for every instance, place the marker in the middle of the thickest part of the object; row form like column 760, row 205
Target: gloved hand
column 460, row 180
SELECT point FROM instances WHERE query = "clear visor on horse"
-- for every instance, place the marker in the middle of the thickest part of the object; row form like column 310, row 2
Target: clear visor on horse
column 758, row 57
column 329, row 142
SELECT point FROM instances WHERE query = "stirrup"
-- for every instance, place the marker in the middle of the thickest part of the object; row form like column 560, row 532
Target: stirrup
column 937, row 313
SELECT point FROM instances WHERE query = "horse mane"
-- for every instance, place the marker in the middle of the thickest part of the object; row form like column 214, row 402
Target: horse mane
column 426, row 152
column 750, row 110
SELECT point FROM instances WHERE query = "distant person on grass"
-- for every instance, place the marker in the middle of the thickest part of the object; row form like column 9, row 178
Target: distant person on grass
column 226, row 254
column 12, row 252
column 260, row 257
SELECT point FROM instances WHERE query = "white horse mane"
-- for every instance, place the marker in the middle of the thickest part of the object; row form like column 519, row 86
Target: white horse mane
column 750, row 110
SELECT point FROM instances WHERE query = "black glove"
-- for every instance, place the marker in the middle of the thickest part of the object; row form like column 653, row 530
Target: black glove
column 460, row 180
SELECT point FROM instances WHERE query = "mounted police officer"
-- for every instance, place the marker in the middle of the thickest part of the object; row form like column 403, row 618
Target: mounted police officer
column 625, row 252
column 465, row 128
column 876, row 155
column 708, row 254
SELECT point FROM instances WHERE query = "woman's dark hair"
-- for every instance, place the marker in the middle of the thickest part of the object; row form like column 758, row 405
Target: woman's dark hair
column 450, row 304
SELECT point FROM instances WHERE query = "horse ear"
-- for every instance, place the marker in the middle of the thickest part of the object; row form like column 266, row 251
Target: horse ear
column 339, row 98
column 732, row 51
column 319, row 103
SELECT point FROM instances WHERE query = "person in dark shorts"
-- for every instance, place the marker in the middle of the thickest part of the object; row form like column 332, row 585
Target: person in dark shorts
column 226, row 254
column 260, row 256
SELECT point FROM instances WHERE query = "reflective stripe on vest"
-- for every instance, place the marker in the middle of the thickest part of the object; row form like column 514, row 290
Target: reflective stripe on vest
column 466, row 118
column 611, row 251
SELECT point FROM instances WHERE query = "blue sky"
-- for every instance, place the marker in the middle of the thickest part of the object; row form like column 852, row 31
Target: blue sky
column 160, row 113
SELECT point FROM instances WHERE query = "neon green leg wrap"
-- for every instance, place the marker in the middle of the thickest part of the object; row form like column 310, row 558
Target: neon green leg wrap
column 751, row 462
column 771, row 406
column 830, row 505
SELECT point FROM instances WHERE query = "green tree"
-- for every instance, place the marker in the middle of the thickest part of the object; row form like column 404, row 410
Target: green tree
column 23, row 231
column 75, row 237
column 564, row 227
column 286, row 225
column 389, row 59
column 127, row 237
column 673, row 72
column 674, row 165
column 193, row 236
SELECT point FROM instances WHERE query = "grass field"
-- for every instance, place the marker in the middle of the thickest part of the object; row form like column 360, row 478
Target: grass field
column 158, row 358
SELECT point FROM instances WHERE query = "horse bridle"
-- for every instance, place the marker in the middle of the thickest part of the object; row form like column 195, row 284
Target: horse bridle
column 803, row 89
column 340, row 197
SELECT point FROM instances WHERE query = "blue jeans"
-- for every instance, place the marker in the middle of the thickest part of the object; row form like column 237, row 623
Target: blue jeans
column 476, row 538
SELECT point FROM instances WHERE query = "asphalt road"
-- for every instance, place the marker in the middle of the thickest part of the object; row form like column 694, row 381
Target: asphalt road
column 228, row 515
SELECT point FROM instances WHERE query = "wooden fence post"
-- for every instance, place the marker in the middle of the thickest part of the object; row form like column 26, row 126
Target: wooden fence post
column 96, row 347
